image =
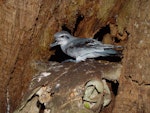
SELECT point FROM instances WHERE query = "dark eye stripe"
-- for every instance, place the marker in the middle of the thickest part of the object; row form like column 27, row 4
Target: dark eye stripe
column 67, row 37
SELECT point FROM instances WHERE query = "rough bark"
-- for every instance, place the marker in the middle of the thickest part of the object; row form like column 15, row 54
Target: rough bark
column 27, row 28
column 134, row 89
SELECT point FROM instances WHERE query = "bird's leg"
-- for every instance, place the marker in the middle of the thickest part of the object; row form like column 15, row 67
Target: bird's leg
column 80, row 58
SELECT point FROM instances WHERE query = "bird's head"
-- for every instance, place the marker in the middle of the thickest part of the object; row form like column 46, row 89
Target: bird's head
column 62, row 38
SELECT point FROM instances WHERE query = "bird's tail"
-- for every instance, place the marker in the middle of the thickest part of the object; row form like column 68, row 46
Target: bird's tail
column 113, row 46
column 111, row 51
column 118, row 47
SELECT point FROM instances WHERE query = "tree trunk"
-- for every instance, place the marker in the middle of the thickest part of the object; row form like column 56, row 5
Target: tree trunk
column 27, row 28
column 134, row 89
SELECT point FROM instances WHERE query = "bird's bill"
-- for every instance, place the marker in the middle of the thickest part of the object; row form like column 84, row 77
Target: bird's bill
column 54, row 44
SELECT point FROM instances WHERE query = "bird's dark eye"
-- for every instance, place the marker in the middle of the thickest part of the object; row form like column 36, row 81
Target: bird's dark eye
column 62, row 36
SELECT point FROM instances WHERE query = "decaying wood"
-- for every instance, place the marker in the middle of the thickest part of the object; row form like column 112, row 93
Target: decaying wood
column 134, row 90
column 61, row 87
column 27, row 28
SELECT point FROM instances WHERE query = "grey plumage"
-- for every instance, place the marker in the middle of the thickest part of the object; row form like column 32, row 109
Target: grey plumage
column 82, row 48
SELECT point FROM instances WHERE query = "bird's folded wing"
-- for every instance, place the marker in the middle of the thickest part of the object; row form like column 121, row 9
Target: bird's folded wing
column 83, row 46
column 85, row 43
